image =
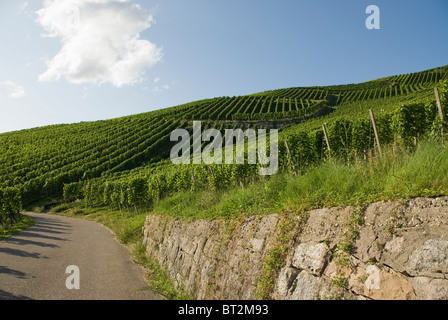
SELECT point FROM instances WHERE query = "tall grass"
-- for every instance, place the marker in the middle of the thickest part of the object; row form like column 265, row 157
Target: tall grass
column 423, row 173
column 398, row 173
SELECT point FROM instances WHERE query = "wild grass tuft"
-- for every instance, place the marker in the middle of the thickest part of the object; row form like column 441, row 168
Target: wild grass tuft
column 399, row 173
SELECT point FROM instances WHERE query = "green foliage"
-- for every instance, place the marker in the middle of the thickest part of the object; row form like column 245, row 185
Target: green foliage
column 72, row 191
column 443, row 91
column 411, row 121
column 12, row 229
column 122, row 163
column 10, row 205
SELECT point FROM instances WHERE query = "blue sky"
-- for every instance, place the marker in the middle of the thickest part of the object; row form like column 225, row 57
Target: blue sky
column 84, row 60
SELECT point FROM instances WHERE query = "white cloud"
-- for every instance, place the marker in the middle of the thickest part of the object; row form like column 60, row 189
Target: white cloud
column 100, row 41
column 11, row 89
column 160, row 88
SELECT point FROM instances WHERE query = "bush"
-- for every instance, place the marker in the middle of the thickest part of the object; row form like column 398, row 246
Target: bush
column 10, row 205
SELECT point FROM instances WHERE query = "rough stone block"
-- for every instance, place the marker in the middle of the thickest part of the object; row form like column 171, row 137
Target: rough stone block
column 389, row 285
column 304, row 287
column 430, row 289
column 286, row 278
column 310, row 256
column 431, row 259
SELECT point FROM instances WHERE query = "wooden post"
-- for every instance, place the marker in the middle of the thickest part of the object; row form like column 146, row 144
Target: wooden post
column 326, row 139
column 292, row 163
column 211, row 171
column 439, row 104
column 193, row 181
column 376, row 132
column 260, row 164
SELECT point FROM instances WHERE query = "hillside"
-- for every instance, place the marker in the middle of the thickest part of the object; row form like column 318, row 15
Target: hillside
column 90, row 160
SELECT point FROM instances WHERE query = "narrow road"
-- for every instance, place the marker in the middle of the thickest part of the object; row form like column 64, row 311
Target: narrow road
column 33, row 263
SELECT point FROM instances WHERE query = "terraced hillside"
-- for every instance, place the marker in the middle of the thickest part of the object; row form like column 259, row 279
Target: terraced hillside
column 125, row 161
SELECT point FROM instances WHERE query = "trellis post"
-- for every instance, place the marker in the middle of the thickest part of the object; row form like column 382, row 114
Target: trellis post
column 439, row 104
column 326, row 139
column 376, row 132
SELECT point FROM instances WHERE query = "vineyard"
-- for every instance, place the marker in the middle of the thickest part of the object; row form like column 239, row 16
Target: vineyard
column 124, row 163
column 382, row 88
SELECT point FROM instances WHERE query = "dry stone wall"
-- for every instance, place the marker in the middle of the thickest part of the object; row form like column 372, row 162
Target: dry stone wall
column 386, row 250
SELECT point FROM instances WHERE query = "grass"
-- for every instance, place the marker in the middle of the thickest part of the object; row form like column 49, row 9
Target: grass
column 7, row 231
column 398, row 173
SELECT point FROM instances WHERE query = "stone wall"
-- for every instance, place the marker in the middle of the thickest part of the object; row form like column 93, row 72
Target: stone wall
column 385, row 250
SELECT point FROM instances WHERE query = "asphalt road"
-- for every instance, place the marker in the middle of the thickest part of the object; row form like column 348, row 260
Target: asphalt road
column 33, row 263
